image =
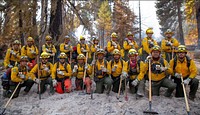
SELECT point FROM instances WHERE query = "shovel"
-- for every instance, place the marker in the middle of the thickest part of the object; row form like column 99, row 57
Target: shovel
column 10, row 99
column 150, row 103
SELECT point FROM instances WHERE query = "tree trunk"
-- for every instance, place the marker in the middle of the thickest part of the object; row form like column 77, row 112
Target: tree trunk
column 21, row 24
column 198, row 21
column 34, row 32
column 181, row 37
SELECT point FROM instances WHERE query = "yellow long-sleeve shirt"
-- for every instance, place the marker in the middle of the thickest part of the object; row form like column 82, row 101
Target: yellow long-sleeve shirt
column 56, row 69
column 128, row 47
column 10, row 57
column 49, row 48
column 145, row 44
column 43, row 74
column 110, row 47
column 80, row 72
column 155, row 76
column 93, row 48
column 182, row 68
column 98, row 66
column 166, row 48
column 31, row 52
column 120, row 67
column 15, row 71
column 65, row 48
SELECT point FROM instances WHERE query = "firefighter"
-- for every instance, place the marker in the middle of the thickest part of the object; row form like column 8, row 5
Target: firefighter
column 82, row 71
column 45, row 69
column 128, row 44
column 147, row 43
column 31, row 51
column 134, row 71
column 185, row 67
column 159, row 73
column 66, row 47
column 117, row 68
column 12, row 55
column 20, row 75
column 101, row 76
column 61, row 75
column 168, row 45
column 82, row 47
column 49, row 48
column 94, row 47
column 111, row 45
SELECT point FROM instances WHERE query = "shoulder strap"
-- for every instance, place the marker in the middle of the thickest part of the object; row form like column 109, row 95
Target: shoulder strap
column 188, row 61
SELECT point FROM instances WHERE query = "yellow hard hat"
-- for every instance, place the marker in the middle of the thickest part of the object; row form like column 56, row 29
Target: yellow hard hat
column 81, row 56
column 132, row 52
column 24, row 58
column 116, row 52
column 155, row 48
column 48, row 38
column 114, row 35
column 62, row 55
column 100, row 51
column 82, row 38
column 129, row 34
column 182, row 48
column 16, row 42
column 169, row 31
column 30, row 39
column 149, row 31
column 44, row 55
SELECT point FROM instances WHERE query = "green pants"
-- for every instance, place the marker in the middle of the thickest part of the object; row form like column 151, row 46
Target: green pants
column 116, row 83
column 100, row 84
column 43, row 84
column 156, row 85
column 27, row 84
column 139, row 89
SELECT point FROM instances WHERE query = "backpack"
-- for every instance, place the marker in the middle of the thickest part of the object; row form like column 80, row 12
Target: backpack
column 187, row 59
column 57, row 66
column 112, row 62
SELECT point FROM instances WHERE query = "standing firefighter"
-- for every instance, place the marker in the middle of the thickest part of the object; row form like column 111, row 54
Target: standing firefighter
column 82, row 47
column 95, row 46
column 49, row 48
column 147, row 43
column 185, row 67
column 20, row 75
column 159, row 71
column 12, row 55
column 129, row 43
column 82, row 71
column 135, row 71
column 101, row 73
column 118, row 70
column 45, row 69
column 61, row 74
column 168, row 45
column 111, row 45
column 31, row 51
column 66, row 48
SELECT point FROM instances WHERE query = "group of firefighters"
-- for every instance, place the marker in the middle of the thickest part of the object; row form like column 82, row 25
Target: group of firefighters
column 106, row 68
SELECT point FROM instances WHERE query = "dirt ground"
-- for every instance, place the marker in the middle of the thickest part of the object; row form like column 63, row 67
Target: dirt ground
column 76, row 104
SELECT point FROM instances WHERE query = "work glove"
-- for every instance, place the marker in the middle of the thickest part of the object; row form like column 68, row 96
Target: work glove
column 162, row 69
column 135, row 82
column 103, row 69
column 37, row 80
column 114, row 68
column 22, row 76
column 131, row 44
column 53, row 54
column 124, row 75
column 33, row 52
column 114, row 44
column 49, row 51
column 93, row 62
column 86, row 66
column 177, row 75
column 148, row 58
column 168, row 43
column 12, row 52
column 75, row 69
column 10, row 66
column 46, row 69
column 60, row 72
column 54, row 82
column 187, row 81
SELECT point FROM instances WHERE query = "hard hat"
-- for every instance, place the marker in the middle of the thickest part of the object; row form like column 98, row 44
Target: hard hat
column 82, row 38
column 132, row 52
column 62, row 55
column 16, row 42
column 94, row 38
column 24, row 58
column 155, row 48
column 30, row 39
column 129, row 34
column 44, row 55
column 149, row 31
column 81, row 56
column 169, row 31
column 48, row 38
column 114, row 35
column 116, row 52
column 67, row 37
column 100, row 51
column 182, row 48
